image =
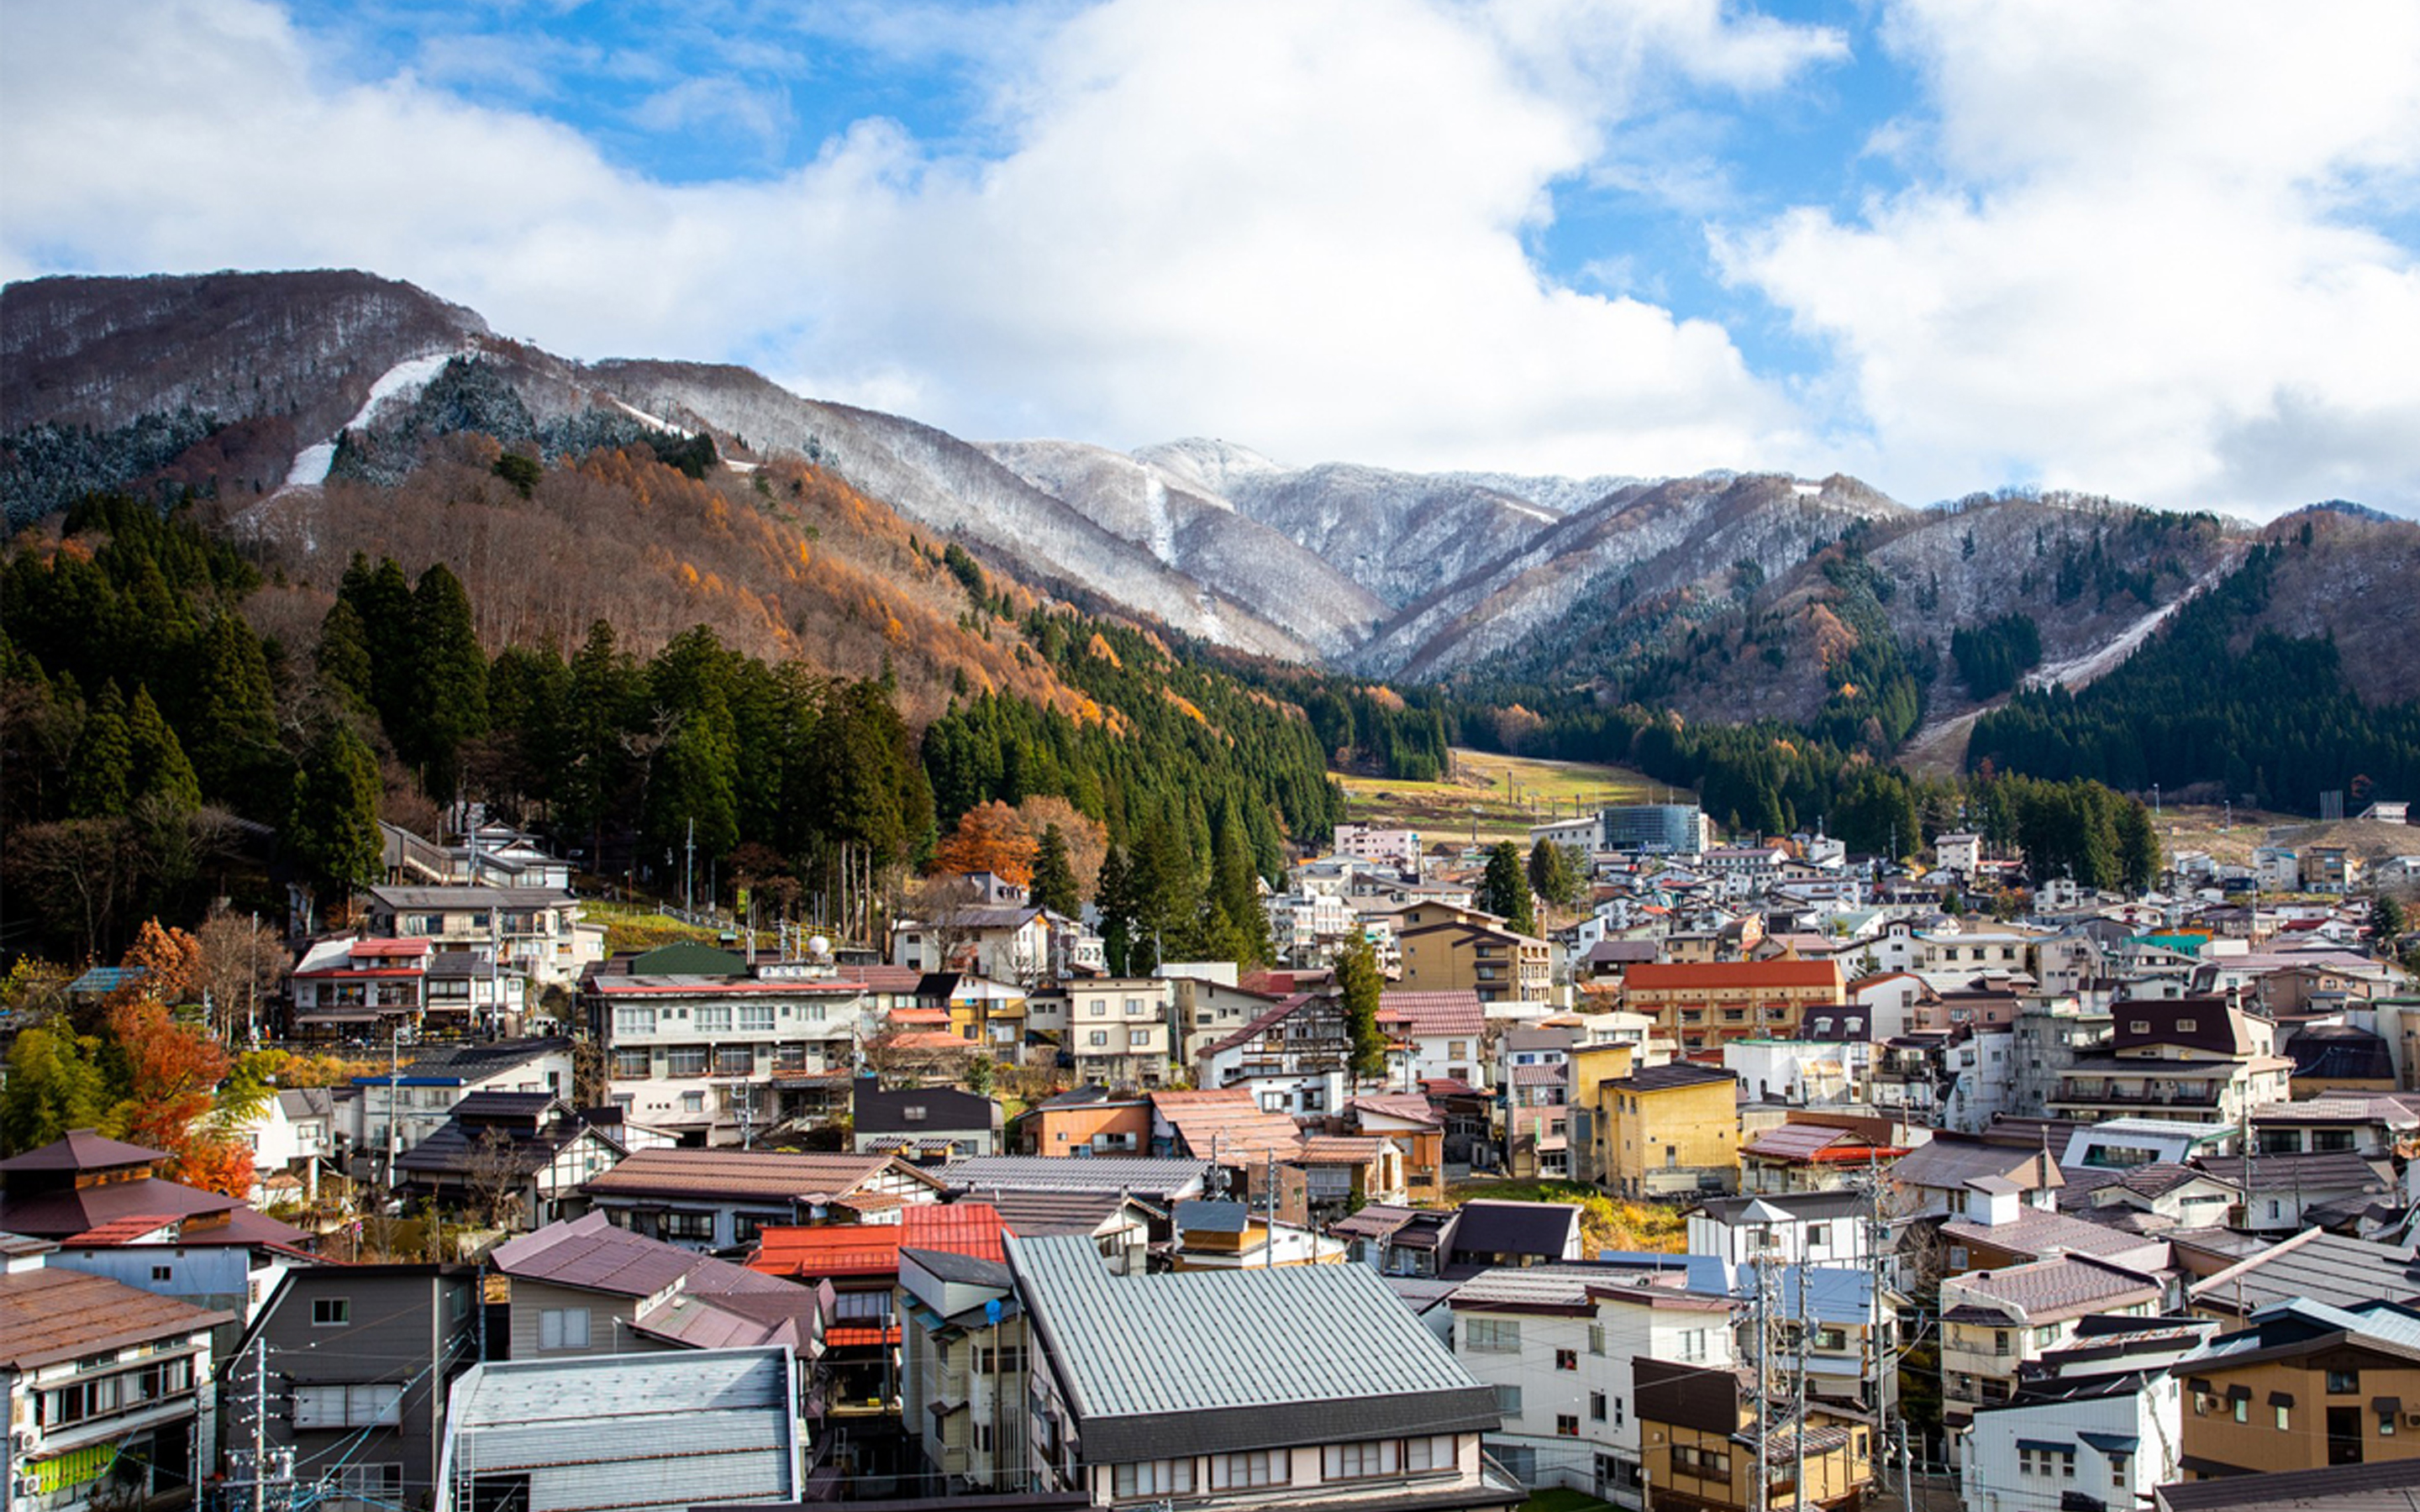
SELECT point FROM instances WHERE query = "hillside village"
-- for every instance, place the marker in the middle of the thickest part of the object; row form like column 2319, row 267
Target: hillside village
column 1750, row 1174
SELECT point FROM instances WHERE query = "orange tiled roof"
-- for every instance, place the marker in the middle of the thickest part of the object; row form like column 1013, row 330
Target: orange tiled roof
column 828, row 1250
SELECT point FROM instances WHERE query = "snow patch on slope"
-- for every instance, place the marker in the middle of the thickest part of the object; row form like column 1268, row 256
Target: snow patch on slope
column 651, row 421
column 400, row 383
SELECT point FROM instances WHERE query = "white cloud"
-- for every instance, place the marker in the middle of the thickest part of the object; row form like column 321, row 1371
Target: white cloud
column 2139, row 260
column 1296, row 225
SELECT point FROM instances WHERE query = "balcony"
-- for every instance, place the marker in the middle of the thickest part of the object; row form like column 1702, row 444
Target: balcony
column 953, row 1384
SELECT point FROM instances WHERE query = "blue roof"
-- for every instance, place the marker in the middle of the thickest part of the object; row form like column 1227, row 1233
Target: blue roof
column 106, row 979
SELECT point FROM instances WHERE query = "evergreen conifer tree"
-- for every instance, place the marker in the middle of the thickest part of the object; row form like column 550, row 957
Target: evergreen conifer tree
column 102, row 781
column 1054, row 876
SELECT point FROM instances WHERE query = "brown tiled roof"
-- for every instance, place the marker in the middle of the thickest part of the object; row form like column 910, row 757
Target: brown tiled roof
column 2061, row 1288
column 81, row 1150
column 1445, row 1013
column 47, row 1316
column 2034, row 1232
column 1230, row 1120
column 1951, row 1160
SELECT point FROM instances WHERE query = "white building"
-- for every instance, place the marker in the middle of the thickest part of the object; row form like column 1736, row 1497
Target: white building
column 535, row 932
column 2101, row 1419
column 1557, row 1343
column 1800, row 1227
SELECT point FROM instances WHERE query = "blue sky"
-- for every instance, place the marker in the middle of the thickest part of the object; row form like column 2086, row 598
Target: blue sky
column 2166, row 251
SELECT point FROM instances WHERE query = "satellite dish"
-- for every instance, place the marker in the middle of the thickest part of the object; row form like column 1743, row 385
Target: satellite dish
column 817, row 945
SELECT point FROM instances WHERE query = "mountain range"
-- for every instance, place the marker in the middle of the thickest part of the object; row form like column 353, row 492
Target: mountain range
column 1722, row 596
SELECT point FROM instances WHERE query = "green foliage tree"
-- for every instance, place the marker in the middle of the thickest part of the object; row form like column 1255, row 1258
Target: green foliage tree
column 448, row 696
column 1113, row 895
column 159, row 766
column 1504, row 889
column 55, row 1084
column 233, row 733
column 2386, row 923
column 1552, row 875
column 102, row 778
column 342, row 658
column 1243, row 923
column 332, row 830
column 1358, row 984
column 1054, row 876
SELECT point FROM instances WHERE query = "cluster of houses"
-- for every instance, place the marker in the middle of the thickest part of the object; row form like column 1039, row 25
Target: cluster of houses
column 2093, row 1206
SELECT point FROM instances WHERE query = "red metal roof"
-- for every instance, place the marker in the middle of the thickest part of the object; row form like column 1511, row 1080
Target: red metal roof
column 1676, row 976
column 124, row 1231
column 828, row 1250
column 971, row 1229
column 387, row 948
column 841, row 1338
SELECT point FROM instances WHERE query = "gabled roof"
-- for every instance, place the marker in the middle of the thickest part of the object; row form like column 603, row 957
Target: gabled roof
column 2311, row 1265
column 1185, row 1362
column 1436, row 1012
column 82, row 1150
column 830, row 1250
column 1154, row 1180
column 971, row 1229
column 1226, row 1125
column 2062, row 1288
column 49, row 1314
column 1488, row 1227
column 943, row 1109
column 733, row 1175
column 2377, row 1486
column 1950, row 1160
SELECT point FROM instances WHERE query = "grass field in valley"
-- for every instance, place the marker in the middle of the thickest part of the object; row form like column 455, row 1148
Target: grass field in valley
column 1500, row 795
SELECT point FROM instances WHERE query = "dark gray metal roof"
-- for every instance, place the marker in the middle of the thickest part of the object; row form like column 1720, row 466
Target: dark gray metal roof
column 1046, row 1173
column 1198, row 1361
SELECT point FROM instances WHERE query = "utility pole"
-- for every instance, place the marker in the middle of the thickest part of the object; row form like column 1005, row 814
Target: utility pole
column 394, row 1080
column 688, row 872
column 1798, row 1396
column 260, row 1423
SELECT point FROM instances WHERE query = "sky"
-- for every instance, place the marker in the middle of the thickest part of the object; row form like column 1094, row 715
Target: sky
column 2166, row 251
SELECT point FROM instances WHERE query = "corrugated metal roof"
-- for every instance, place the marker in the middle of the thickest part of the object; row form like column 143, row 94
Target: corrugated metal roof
column 48, row 1316
column 628, row 1431
column 1186, row 1341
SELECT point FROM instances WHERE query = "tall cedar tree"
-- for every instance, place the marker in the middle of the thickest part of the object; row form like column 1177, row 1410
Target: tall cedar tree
column 102, row 781
column 342, row 657
column 234, row 730
column 1358, row 983
column 333, row 828
column 1054, row 877
column 1113, row 895
column 1243, row 923
column 159, row 767
column 1504, row 891
column 449, row 693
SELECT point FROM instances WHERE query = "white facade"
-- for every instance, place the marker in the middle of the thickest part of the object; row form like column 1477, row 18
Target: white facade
column 702, row 1058
column 1563, row 1378
column 1827, row 1236
column 2116, row 1449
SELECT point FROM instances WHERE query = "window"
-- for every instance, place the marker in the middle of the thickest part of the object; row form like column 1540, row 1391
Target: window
column 2343, row 1383
column 1507, row 1401
column 1693, row 1346
column 791, row 1056
column 1596, row 1339
column 688, row 1226
column 630, row 1065
column 2047, row 1334
column 563, row 1328
column 1457, row 1050
column 1134, row 1007
column 1152, row 1477
column 692, row 1102
column 330, row 1312
column 380, row 1483
column 1596, row 1405
column 2285, row 1414
column 2138, row 1026
column 1359, row 1461
column 347, row 1405
column 1241, row 1471
column 713, row 1018
column 2186, row 1025
column 757, row 1018
column 1100, row 1006
column 2118, row 1471
column 1567, row 1359
column 1429, row 1454
column 1491, row 1335
column 2243, row 1406
column 1818, row 1234
column 1567, row 1425
column 1710, row 1464
column 634, row 1019
column 1097, row 1036
column 685, row 1060
column 161, row 1273
column 734, row 1061
column 1137, row 1039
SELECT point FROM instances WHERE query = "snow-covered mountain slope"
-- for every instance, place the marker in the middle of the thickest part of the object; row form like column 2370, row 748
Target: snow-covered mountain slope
column 1202, row 535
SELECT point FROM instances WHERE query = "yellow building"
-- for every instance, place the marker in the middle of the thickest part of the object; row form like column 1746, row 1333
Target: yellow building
column 1499, row 966
column 1667, row 1129
column 1698, row 1447
column 1591, row 1066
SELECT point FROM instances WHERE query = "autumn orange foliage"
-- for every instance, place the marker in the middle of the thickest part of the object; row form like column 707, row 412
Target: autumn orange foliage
column 173, row 1070
column 988, row 838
